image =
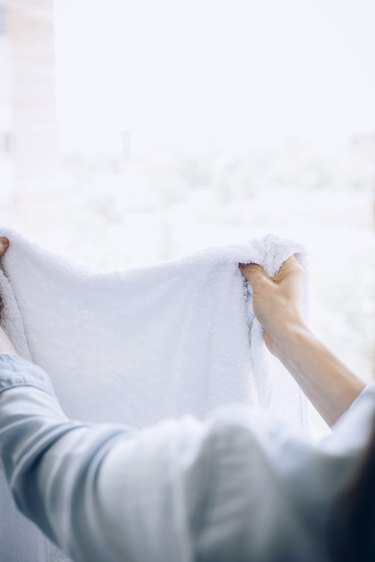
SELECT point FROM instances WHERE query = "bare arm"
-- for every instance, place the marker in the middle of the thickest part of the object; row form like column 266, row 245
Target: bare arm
column 327, row 382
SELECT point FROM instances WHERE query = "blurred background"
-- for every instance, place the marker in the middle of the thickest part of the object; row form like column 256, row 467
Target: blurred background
column 133, row 131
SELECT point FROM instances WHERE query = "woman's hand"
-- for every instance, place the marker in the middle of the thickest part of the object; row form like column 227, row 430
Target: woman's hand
column 324, row 378
column 4, row 245
column 6, row 345
column 277, row 301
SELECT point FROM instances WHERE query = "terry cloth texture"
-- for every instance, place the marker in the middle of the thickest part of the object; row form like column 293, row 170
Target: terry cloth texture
column 136, row 346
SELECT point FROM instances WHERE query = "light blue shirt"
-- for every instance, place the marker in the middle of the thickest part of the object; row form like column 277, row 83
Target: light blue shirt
column 239, row 486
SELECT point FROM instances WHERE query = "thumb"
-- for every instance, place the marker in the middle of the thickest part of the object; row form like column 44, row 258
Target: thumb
column 254, row 273
column 4, row 245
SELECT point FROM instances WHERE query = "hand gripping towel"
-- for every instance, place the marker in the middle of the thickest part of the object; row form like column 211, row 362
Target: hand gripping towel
column 136, row 346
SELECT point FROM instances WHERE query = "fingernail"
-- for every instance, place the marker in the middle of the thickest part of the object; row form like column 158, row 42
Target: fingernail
column 4, row 241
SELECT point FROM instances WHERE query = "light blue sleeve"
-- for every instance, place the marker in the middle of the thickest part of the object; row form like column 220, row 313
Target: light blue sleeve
column 232, row 488
column 353, row 429
column 100, row 491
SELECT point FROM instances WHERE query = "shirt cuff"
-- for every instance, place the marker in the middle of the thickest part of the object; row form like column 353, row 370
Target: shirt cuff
column 16, row 371
column 367, row 394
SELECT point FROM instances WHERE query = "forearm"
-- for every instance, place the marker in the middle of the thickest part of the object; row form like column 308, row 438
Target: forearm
column 326, row 380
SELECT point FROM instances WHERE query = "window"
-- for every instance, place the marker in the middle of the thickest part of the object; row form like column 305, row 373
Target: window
column 180, row 125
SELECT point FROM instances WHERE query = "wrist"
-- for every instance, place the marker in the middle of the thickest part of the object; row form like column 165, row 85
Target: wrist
column 288, row 338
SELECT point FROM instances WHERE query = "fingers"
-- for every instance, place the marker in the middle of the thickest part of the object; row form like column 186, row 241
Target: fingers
column 4, row 245
column 254, row 273
column 291, row 268
column 290, row 263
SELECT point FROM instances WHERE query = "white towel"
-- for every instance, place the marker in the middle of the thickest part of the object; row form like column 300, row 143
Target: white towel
column 139, row 345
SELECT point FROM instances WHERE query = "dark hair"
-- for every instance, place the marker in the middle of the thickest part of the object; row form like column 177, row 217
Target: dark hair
column 352, row 527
